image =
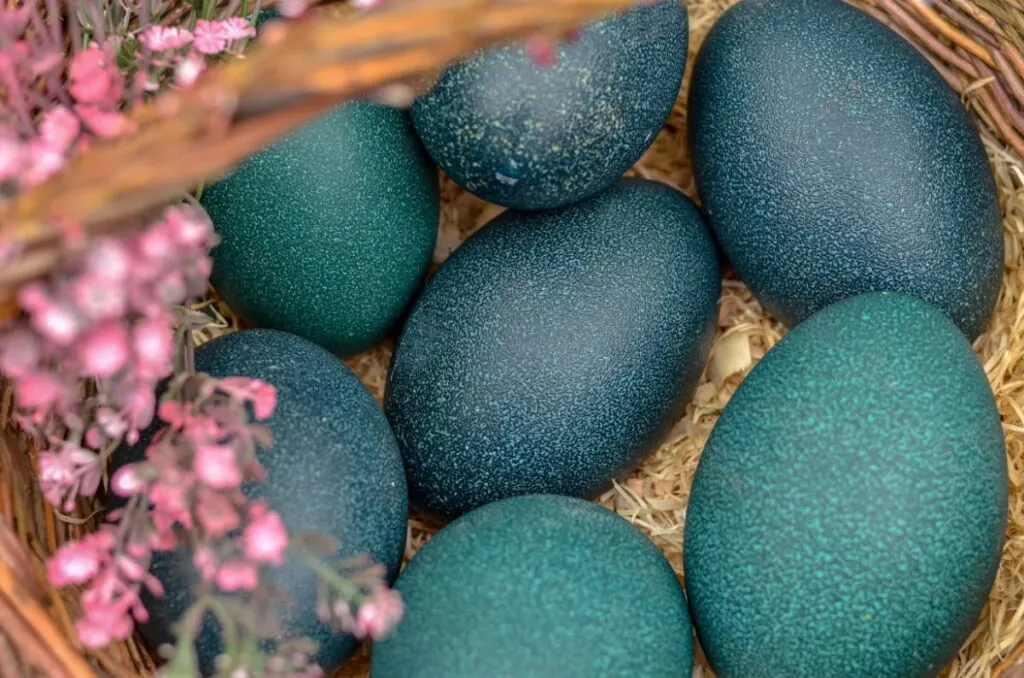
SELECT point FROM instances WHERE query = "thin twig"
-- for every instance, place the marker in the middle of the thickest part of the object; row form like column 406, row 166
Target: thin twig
column 943, row 27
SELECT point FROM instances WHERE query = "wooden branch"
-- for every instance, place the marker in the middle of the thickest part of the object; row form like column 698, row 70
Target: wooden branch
column 943, row 28
column 298, row 71
column 40, row 643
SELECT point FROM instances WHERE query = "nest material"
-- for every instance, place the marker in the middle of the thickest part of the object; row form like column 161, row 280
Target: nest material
column 654, row 498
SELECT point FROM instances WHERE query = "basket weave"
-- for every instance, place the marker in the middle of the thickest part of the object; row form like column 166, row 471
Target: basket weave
column 977, row 45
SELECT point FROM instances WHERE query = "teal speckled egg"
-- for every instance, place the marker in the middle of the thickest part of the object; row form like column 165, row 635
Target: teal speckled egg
column 833, row 160
column 334, row 468
column 847, row 514
column 532, row 137
column 554, row 349
column 537, row 587
column 328, row 233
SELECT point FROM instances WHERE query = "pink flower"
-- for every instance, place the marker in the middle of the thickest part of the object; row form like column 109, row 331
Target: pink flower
column 189, row 228
column 59, row 127
column 142, row 82
column 139, row 403
column 13, row 21
column 162, row 38
column 378, row 616
column 264, row 400
column 91, row 635
column 56, row 322
column 111, row 423
column 127, row 481
column 104, row 351
column 19, row 353
column 98, row 298
column 46, row 61
column 170, row 507
column 171, row 289
column 216, row 513
column 74, row 563
column 12, row 156
column 262, row 395
column 217, row 466
column 153, row 344
column 108, row 260
column 205, row 562
column 172, row 412
column 106, row 616
column 236, row 28
column 130, row 568
column 237, row 575
column 200, row 429
column 265, row 539
column 209, row 37
column 156, row 248
column 95, row 77
column 104, row 123
column 55, row 476
column 86, row 469
column 43, row 161
column 106, row 606
column 188, row 70
column 39, row 391
column 541, row 50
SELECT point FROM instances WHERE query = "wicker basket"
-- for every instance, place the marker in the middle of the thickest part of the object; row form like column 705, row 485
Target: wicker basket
column 977, row 45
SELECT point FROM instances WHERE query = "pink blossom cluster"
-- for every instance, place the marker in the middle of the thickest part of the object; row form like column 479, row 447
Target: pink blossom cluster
column 106, row 317
column 97, row 337
column 52, row 106
column 376, row 616
column 191, row 479
column 115, row 570
column 208, row 38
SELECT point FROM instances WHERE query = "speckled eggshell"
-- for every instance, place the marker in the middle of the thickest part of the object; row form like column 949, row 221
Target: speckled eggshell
column 533, row 137
column 328, row 233
column 832, row 160
column 537, row 587
column 847, row 515
column 553, row 349
column 334, row 468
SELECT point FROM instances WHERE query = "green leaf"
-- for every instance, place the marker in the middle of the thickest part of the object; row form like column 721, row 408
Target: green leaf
column 184, row 664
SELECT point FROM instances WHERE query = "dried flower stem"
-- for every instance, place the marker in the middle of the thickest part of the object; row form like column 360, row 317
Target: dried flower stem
column 186, row 137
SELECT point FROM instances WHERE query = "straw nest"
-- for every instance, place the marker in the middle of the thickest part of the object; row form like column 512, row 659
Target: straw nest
column 654, row 498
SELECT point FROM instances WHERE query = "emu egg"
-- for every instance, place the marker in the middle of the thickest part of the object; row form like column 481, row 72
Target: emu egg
column 328, row 233
column 553, row 349
column 833, row 160
column 334, row 468
column 534, row 587
column 532, row 137
column 847, row 514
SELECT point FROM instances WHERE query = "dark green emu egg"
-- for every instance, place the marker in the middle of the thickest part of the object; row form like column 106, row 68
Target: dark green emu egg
column 334, row 468
column 554, row 349
column 529, row 137
column 328, row 233
column 847, row 515
column 539, row 586
column 833, row 160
